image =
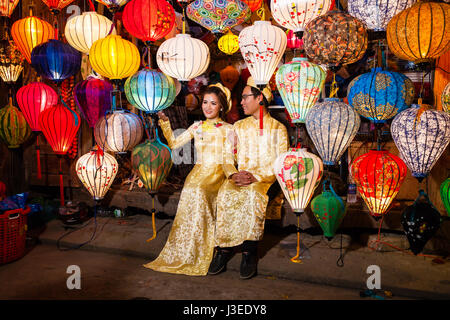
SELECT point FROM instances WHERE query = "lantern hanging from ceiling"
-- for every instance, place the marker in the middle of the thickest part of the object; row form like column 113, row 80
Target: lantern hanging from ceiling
column 56, row 5
column 218, row 16
column 11, row 62
column 14, row 129
column 183, row 57
column 262, row 45
column 421, row 134
column 379, row 95
column 97, row 170
column 7, row 7
column 296, row 14
column 150, row 91
column 335, row 39
column 300, row 83
column 29, row 32
column 253, row 4
column 148, row 20
column 378, row 175
column 93, row 98
column 377, row 13
column 229, row 76
column 445, row 194
column 445, row 98
column 83, row 30
column 293, row 42
column 118, row 131
column 114, row 57
column 332, row 125
column 229, row 43
column 113, row 5
column 420, row 33
column 55, row 60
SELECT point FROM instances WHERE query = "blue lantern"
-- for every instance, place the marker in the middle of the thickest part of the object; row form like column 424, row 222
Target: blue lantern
column 150, row 91
column 379, row 95
column 55, row 60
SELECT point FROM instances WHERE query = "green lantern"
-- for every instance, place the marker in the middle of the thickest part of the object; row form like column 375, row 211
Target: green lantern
column 445, row 195
column 329, row 210
column 14, row 129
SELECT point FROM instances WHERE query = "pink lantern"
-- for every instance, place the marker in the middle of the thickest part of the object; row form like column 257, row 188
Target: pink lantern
column 293, row 42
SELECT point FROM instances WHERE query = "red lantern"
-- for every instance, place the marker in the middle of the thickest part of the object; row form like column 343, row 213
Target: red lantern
column 254, row 4
column 293, row 42
column 56, row 5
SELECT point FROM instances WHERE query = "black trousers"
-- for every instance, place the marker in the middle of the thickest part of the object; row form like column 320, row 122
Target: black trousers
column 250, row 246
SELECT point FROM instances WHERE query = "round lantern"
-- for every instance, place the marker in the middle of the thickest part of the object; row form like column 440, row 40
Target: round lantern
column 14, row 129
column 253, row 4
column 378, row 175
column 293, row 42
column 114, row 57
column 218, row 16
column 29, row 32
column 33, row 99
column 421, row 135
column 335, row 39
column 379, row 95
column 229, row 43
column 296, row 14
column 445, row 98
column 262, row 46
column 83, row 30
column 148, row 20
column 300, row 83
column 97, row 170
column 332, row 125
column 11, row 62
column 55, row 60
column 183, row 57
column 229, row 76
column 119, row 131
column 420, row 33
column 445, row 195
column 93, row 98
column 150, row 91
column 113, row 5
column 377, row 13
column 7, row 7
column 56, row 5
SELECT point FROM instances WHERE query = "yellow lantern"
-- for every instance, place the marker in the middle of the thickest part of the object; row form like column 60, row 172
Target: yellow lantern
column 420, row 33
column 229, row 43
column 114, row 58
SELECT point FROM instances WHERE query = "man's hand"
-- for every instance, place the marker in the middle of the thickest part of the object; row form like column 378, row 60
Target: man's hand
column 243, row 178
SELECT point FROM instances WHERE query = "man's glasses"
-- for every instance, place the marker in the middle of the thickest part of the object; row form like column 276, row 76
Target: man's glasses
column 245, row 96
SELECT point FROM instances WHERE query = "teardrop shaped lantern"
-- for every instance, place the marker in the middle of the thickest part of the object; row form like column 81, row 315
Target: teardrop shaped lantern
column 119, row 131
column 445, row 195
column 150, row 91
column 421, row 135
column 96, row 171
column 300, row 83
column 420, row 33
column 11, row 62
column 56, row 5
column 148, row 20
column 296, row 14
column 83, row 30
column 445, row 98
column 7, row 7
column 262, row 45
column 378, row 175
column 14, row 129
column 183, row 57
column 379, row 95
column 228, row 43
column 332, row 125
column 55, row 60
column 114, row 57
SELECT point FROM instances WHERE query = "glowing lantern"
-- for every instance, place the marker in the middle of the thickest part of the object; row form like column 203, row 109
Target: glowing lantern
column 7, row 7
column 113, row 5
column 445, row 194
column 293, row 42
column 14, row 129
column 11, row 62
column 228, row 43
column 114, row 57
column 29, row 32
column 229, row 76
column 445, row 98
column 420, row 33
column 335, row 39
column 253, row 4
column 421, row 135
column 378, row 175
column 262, row 46
column 55, row 60
column 379, row 95
column 150, row 90
column 83, row 30
column 183, row 57
column 97, row 170
column 332, row 125
column 300, row 83
column 296, row 14
column 56, row 5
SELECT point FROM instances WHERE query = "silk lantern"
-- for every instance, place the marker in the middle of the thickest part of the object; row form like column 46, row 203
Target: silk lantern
column 113, row 5
column 420, row 33
column 445, row 98
column 7, row 7
column 56, row 5
column 262, row 45
column 14, row 129
column 183, row 57
column 296, row 14
column 421, row 134
column 379, row 95
column 96, row 171
column 445, row 195
column 229, row 76
column 378, row 175
column 293, row 42
column 332, row 125
column 253, row 4
column 11, row 62
column 83, row 30
column 228, row 43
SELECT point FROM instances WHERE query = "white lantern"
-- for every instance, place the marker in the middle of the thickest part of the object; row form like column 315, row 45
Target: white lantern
column 296, row 14
column 183, row 57
column 83, row 30
column 97, row 170
column 262, row 45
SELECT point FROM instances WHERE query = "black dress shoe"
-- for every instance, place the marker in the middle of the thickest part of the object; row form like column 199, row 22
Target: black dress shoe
column 248, row 265
column 219, row 262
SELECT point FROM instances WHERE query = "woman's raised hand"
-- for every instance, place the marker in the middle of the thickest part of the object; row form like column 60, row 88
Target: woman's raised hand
column 162, row 116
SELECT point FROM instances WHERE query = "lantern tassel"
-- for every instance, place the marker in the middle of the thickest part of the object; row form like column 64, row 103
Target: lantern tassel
column 334, row 87
column 296, row 259
column 38, row 157
column 153, row 220
column 91, row 5
column 61, row 183
column 261, row 116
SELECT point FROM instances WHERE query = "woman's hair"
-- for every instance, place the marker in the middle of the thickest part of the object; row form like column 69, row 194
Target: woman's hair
column 257, row 92
column 221, row 97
